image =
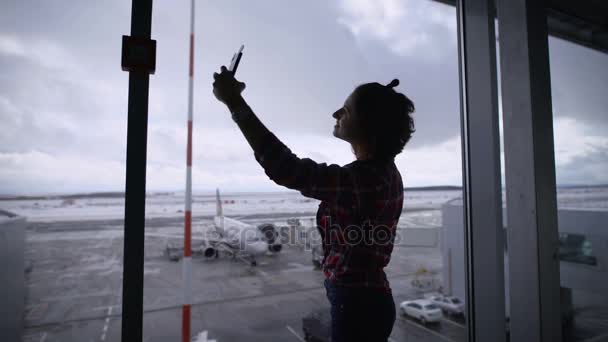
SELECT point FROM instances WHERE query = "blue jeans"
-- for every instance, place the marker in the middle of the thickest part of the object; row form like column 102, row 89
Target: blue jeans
column 360, row 314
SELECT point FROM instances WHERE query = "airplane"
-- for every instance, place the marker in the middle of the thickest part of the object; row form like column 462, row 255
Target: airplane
column 236, row 238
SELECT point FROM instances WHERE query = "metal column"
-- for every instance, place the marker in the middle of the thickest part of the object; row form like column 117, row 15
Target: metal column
column 530, row 172
column 138, row 59
column 481, row 171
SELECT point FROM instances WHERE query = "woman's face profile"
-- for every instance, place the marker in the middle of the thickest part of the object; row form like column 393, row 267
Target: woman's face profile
column 346, row 123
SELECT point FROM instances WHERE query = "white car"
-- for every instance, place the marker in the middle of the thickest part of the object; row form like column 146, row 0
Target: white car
column 421, row 309
column 317, row 256
column 449, row 304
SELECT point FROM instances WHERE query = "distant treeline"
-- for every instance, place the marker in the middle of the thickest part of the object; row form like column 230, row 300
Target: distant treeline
column 573, row 186
column 433, row 188
column 63, row 197
column 117, row 194
column 122, row 194
column 453, row 187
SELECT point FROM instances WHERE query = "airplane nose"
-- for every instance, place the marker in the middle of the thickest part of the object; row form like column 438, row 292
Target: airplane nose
column 261, row 247
column 257, row 248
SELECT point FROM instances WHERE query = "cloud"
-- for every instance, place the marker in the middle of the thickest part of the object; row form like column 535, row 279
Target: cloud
column 11, row 46
column 63, row 97
column 438, row 164
column 222, row 158
column 579, row 79
column 406, row 27
column 573, row 140
column 44, row 52
column 58, row 112
column 581, row 156
column 39, row 172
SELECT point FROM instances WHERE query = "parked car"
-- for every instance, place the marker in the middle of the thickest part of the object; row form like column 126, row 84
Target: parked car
column 317, row 326
column 448, row 304
column 317, row 256
column 421, row 309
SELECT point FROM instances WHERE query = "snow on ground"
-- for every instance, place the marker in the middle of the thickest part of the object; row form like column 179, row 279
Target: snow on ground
column 417, row 204
column 172, row 205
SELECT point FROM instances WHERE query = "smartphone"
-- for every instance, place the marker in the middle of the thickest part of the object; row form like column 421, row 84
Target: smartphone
column 236, row 58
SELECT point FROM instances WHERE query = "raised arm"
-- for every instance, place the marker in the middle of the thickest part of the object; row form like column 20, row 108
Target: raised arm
column 332, row 183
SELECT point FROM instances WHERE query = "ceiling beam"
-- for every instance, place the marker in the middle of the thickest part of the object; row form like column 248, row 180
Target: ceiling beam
column 580, row 22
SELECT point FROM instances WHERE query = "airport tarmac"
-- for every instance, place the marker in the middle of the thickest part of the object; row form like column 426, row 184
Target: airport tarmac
column 74, row 279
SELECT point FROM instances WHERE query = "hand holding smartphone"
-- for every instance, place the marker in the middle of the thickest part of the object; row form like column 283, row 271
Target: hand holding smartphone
column 225, row 87
column 236, row 58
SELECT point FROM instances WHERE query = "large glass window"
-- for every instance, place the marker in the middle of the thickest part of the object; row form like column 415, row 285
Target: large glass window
column 301, row 61
column 579, row 80
column 63, row 102
column 576, row 248
column 63, row 106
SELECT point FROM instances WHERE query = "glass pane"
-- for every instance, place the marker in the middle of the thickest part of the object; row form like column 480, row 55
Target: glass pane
column 579, row 80
column 62, row 150
column 301, row 61
column 576, row 248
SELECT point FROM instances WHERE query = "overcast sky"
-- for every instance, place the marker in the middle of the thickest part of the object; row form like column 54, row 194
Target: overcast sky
column 63, row 96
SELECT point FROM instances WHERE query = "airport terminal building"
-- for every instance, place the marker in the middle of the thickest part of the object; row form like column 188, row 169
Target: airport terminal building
column 582, row 256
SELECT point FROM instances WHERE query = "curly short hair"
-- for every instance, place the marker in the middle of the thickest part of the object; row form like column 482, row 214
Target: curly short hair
column 385, row 117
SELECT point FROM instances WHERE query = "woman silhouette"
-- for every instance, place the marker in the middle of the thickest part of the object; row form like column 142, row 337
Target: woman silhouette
column 361, row 202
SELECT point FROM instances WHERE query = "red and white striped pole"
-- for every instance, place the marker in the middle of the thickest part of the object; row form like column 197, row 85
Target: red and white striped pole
column 187, row 260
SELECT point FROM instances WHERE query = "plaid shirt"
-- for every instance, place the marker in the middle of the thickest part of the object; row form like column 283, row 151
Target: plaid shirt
column 357, row 218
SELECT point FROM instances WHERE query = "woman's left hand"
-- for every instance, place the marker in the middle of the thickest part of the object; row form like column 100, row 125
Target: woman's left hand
column 226, row 88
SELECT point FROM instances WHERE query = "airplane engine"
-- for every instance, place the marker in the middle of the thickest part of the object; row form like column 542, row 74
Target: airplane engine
column 271, row 236
column 269, row 232
column 209, row 252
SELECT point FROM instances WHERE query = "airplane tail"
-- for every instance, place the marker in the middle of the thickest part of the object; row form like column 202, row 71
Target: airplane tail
column 218, row 202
